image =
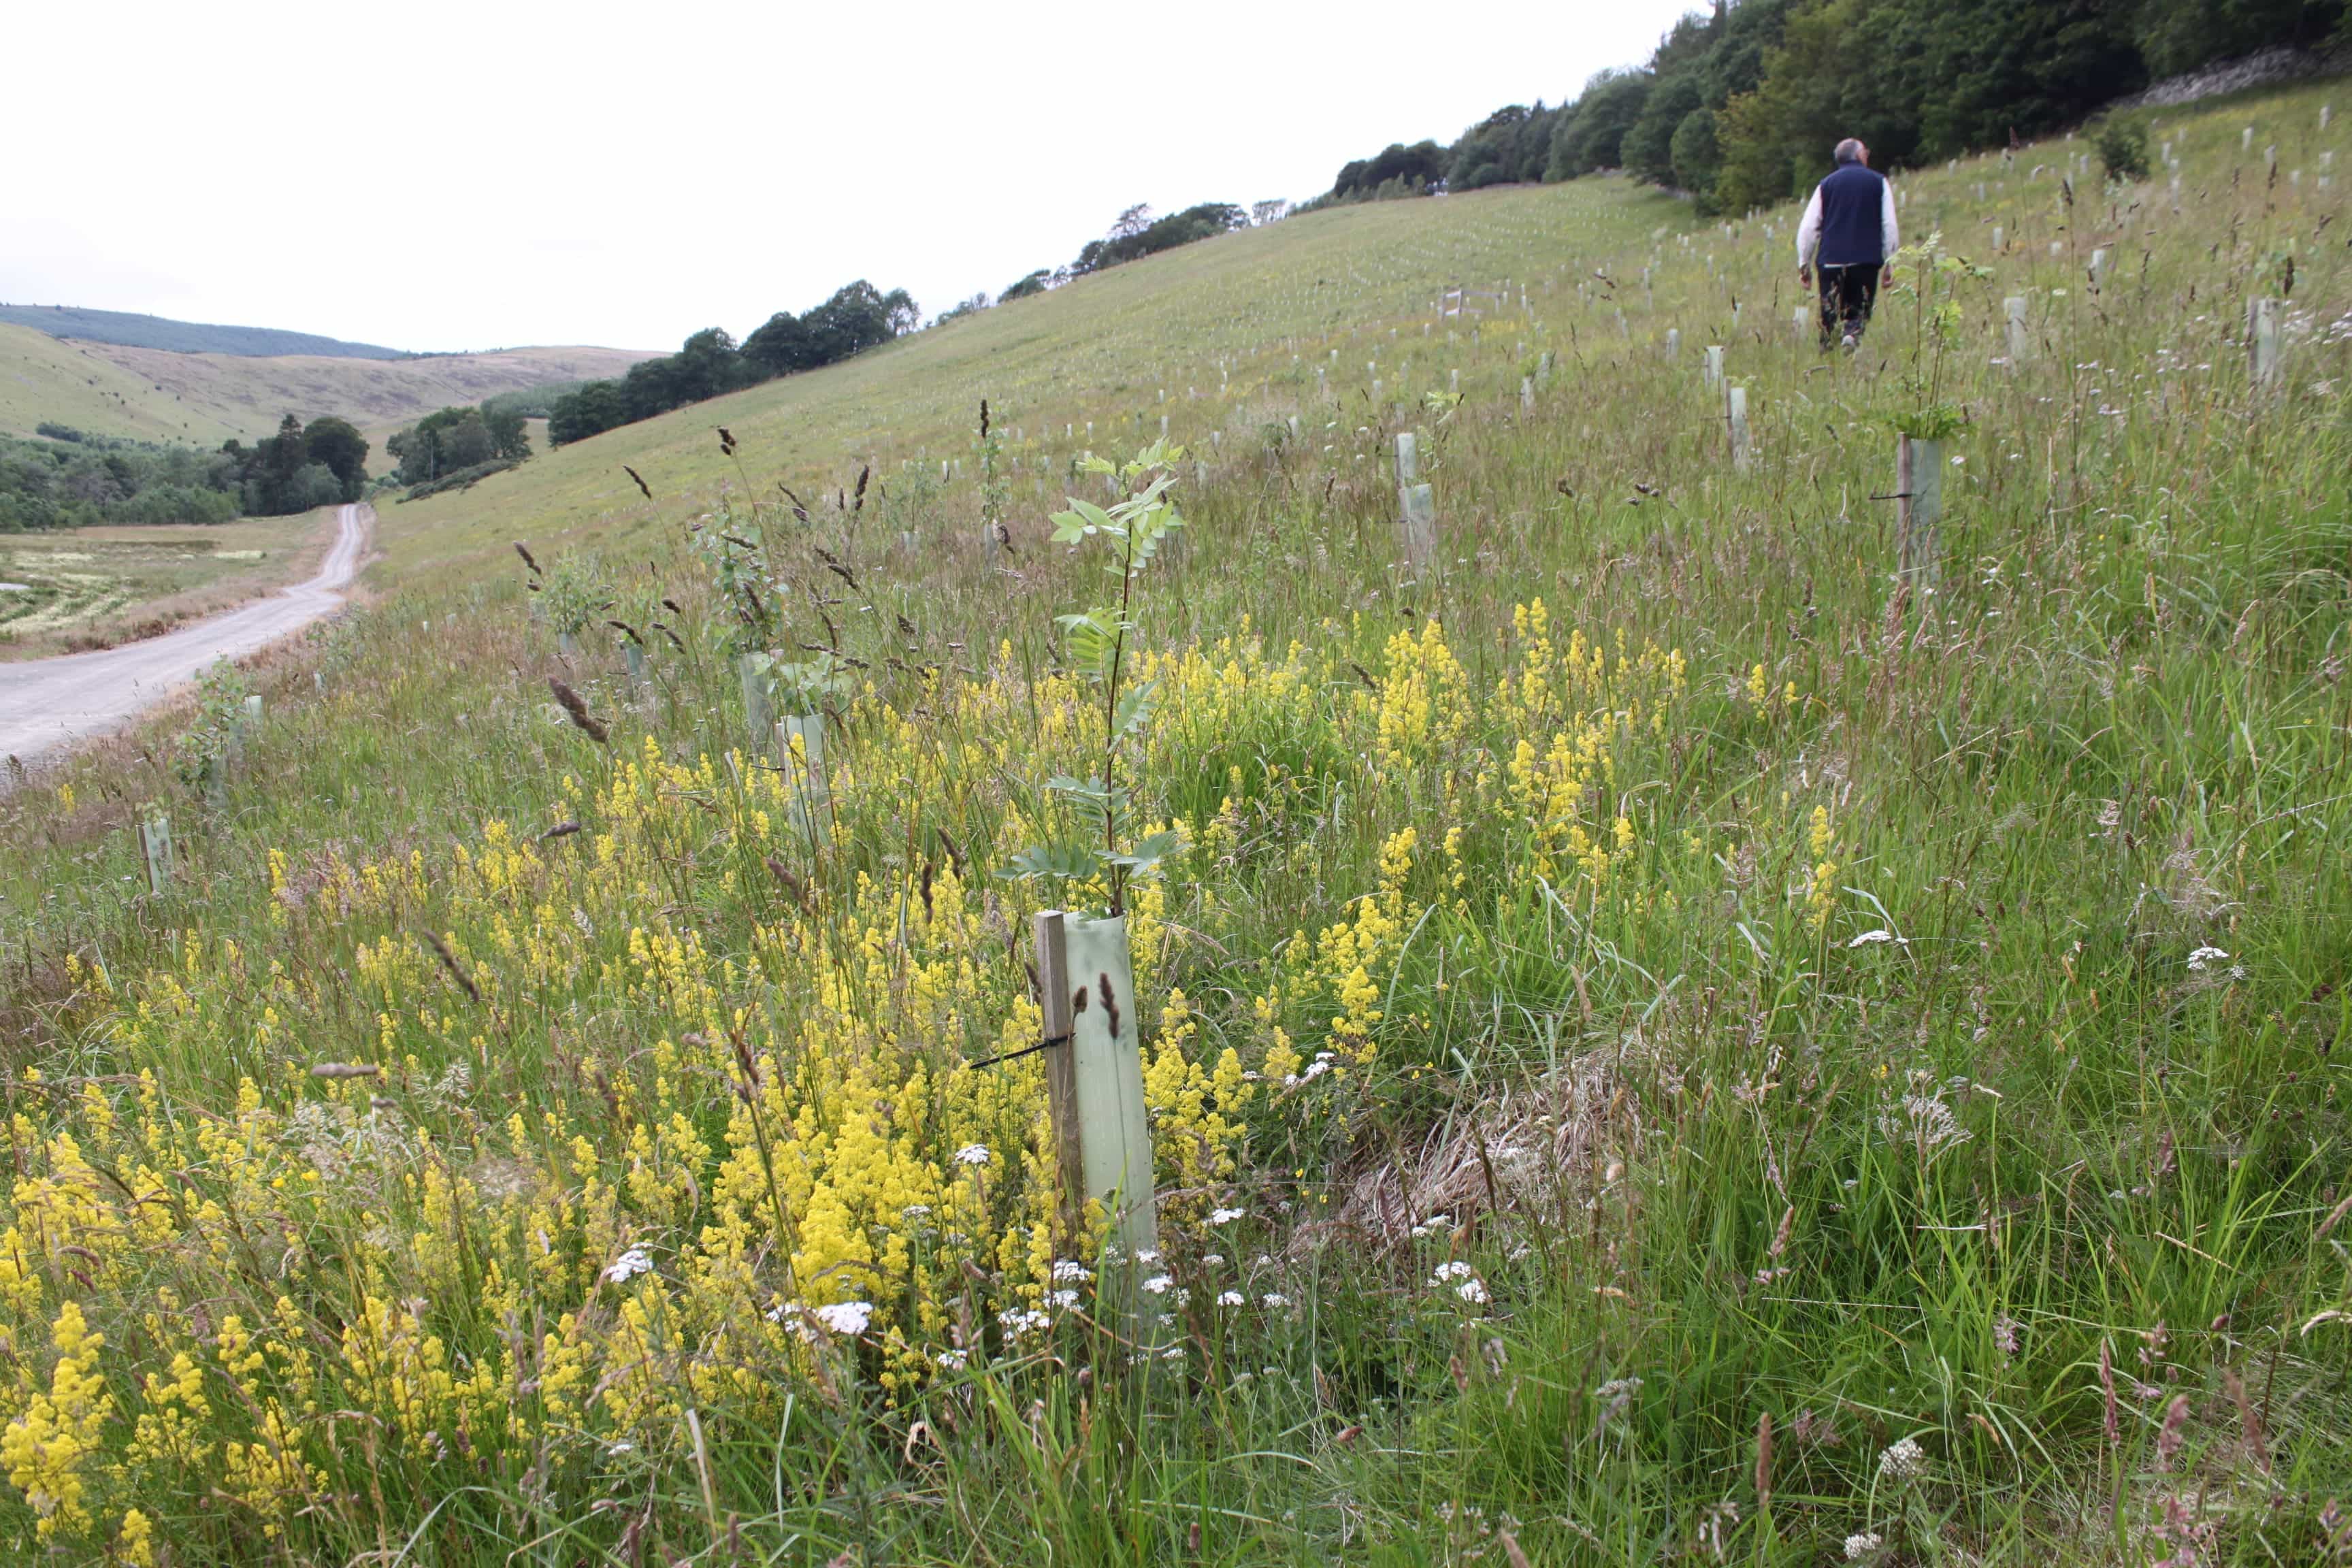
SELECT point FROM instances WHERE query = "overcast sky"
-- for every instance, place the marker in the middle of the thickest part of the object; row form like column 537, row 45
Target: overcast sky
column 431, row 176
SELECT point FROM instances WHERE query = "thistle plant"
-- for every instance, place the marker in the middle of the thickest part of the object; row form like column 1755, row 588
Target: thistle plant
column 1097, row 646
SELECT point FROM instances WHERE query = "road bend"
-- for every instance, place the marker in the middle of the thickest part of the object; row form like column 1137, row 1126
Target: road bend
column 49, row 703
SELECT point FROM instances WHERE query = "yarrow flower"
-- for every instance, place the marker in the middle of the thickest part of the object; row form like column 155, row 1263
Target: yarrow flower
column 1273, row 1301
column 2205, row 955
column 1225, row 1216
column 1066, row 1272
column 1158, row 1284
column 846, row 1317
column 1231, row 1299
column 636, row 1260
column 1902, row 1460
column 1021, row 1320
column 1861, row 1545
column 1449, row 1272
column 973, row 1154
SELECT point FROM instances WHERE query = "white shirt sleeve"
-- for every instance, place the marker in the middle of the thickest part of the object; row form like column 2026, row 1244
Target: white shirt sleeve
column 1809, row 231
column 1890, row 237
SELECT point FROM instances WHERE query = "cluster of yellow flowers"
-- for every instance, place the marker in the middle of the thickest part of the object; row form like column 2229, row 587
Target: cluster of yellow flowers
column 671, row 1110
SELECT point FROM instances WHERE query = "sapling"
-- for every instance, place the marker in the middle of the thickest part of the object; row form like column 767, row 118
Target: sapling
column 1097, row 642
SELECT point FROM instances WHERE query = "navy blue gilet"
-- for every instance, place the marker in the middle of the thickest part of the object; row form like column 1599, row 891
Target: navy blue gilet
column 1854, row 205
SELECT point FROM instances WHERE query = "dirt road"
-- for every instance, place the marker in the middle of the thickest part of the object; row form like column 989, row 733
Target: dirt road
column 51, row 702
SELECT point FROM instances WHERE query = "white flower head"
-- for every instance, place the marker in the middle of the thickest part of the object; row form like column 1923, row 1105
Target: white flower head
column 2205, row 955
column 1061, row 1301
column 1902, row 1460
column 1273, row 1301
column 1862, row 1545
column 1225, row 1216
column 636, row 1260
column 973, row 1154
column 1020, row 1321
column 846, row 1317
column 1159, row 1283
column 1473, row 1291
column 1449, row 1272
column 1066, row 1272
column 1231, row 1299
column 950, row 1361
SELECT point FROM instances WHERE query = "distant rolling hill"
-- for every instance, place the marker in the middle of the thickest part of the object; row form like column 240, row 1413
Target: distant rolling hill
column 157, row 394
column 183, row 337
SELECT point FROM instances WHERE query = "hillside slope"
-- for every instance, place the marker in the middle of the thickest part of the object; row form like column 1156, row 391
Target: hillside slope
column 182, row 337
column 155, row 395
column 1679, row 1018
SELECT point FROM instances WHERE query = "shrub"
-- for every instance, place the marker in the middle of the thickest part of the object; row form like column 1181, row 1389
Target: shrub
column 2123, row 148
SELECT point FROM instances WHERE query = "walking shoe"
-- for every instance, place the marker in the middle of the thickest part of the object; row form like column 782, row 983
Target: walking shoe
column 1850, row 341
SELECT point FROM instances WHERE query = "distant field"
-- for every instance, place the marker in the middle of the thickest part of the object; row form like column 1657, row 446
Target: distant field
column 86, row 588
column 158, row 395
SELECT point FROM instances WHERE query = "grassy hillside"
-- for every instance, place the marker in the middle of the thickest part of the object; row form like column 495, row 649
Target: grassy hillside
column 155, row 395
column 1680, row 1029
column 182, row 337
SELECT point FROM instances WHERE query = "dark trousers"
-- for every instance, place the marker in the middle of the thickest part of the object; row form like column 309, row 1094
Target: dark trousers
column 1848, row 296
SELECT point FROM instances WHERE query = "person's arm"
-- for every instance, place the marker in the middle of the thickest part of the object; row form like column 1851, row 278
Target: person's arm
column 1890, row 233
column 1808, row 235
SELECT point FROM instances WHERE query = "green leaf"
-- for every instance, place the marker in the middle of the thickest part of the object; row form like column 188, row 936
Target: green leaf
column 1148, row 851
column 1136, row 706
column 1093, row 640
column 1053, row 860
column 1094, row 516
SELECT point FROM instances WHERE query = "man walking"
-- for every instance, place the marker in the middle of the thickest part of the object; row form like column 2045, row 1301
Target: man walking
column 1849, row 230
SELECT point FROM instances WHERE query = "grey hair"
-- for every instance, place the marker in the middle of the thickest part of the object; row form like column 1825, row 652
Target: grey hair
column 1849, row 150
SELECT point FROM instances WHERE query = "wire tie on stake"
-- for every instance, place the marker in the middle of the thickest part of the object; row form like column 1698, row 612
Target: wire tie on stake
column 1024, row 1051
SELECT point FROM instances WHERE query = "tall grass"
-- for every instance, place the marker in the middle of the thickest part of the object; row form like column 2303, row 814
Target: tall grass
column 1669, row 1041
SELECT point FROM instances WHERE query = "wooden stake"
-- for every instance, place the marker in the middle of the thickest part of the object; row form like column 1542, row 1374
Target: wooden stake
column 1054, row 993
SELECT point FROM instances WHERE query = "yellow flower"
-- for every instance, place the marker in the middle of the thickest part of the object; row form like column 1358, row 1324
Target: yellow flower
column 136, row 1542
column 44, row 1448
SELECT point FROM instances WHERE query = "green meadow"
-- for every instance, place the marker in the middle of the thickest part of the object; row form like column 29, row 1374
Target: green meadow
column 1682, row 1022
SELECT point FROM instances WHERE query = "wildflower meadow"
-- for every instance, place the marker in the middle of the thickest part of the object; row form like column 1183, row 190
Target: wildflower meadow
column 1676, row 1021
